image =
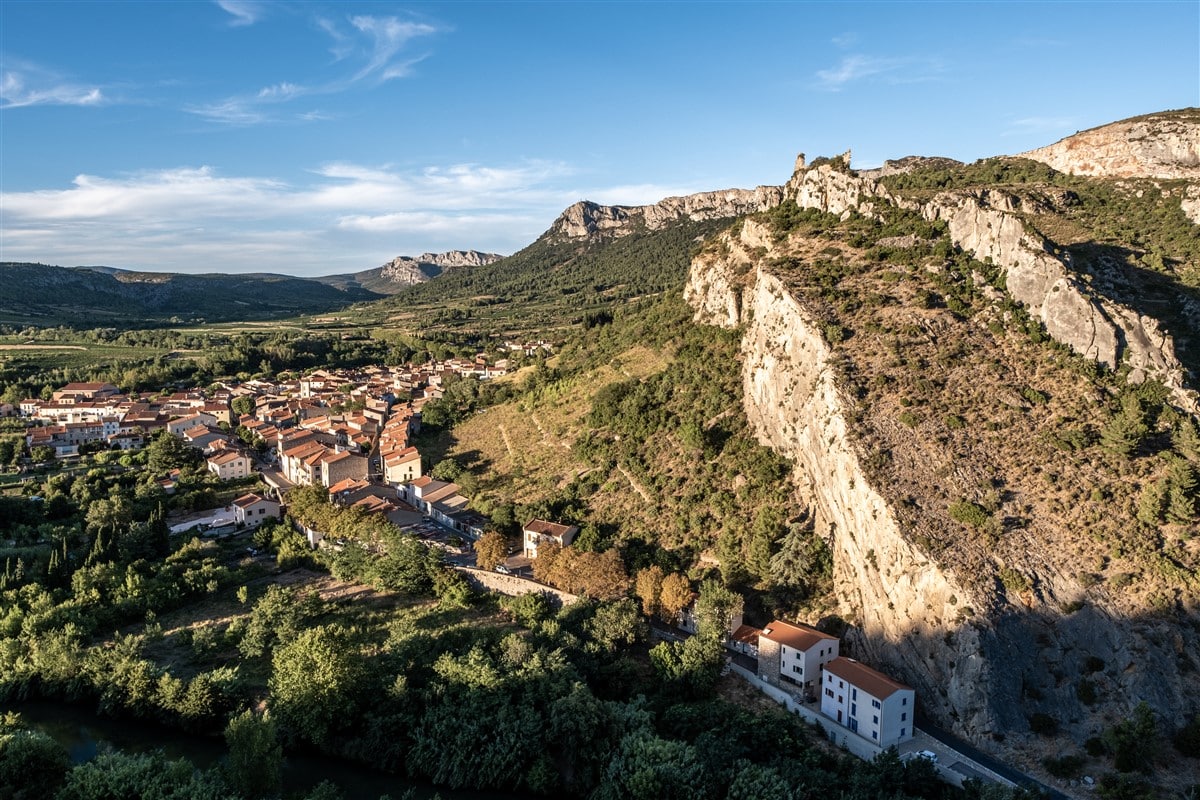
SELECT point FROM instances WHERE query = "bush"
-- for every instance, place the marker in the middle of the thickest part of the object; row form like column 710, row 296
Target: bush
column 1187, row 738
column 971, row 514
column 1043, row 724
column 1064, row 766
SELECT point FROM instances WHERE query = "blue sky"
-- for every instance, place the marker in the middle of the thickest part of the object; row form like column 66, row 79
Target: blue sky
column 313, row 138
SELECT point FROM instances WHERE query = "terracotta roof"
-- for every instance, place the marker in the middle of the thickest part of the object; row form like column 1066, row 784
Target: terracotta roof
column 225, row 458
column 545, row 528
column 247, row 500
column 347, row 485
column 871, row 681
column 746, row 634
column 422, row 482
column 799, row 637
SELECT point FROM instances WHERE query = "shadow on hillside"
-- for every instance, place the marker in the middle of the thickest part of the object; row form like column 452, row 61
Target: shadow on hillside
column 1116, row 274
column 1085, row 671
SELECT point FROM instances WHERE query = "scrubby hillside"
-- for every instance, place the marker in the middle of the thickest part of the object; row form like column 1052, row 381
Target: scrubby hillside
column 37, row 294
column 1013, row 524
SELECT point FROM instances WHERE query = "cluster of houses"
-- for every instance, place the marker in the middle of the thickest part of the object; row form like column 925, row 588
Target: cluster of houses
column 800, row 658
column 81, row 414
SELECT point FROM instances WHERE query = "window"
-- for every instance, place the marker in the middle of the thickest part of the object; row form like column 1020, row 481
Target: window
column 829, row 692
column 874, row 734
column 854, row 694
column 874, row 704
column 902, row 733
column 904, row 716
column 841, row 685
column 797, row 669
column 841, row 699
column 829, row 679
column 853, row 709
column 903, row 701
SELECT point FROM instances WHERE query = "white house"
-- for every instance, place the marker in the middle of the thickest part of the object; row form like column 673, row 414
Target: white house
column 794, row 653
column 539, row 531
column 867, row 702
column 229, row 465
column 252, row 509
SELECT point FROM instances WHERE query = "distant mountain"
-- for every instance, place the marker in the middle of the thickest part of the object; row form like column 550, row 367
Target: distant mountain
column 588, row 220
column 40, row 294
column 404, row 271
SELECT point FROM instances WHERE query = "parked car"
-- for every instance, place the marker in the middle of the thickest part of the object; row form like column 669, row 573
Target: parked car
column 928, row 755
column 503, row 569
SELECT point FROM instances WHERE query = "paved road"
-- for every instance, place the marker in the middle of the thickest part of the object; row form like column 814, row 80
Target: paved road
column 975, row 754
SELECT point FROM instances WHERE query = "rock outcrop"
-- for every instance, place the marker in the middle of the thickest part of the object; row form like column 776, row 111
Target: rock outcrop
column 988, row 225
column 588, row 220
column 406, row 271
column 980, row 666
column 1164, row 145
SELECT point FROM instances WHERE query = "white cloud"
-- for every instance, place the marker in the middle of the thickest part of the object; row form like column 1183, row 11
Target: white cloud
column 373, row 48
column 1041, row 125
column 855, row 68
column 245, row 12
column 388, row 37
column 845, row 39
column 24, row 84
column 343, row 217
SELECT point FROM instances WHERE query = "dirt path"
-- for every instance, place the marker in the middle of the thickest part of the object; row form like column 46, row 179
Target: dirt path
column 634, row 483
column 508, row 444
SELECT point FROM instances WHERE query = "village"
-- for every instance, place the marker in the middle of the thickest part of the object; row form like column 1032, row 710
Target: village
column 350, row 431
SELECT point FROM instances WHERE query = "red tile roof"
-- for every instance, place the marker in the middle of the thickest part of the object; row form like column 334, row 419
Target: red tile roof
column 871, row 681
column 798, row 637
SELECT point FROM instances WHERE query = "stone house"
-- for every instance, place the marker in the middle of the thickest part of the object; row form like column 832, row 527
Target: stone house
column 790, row 653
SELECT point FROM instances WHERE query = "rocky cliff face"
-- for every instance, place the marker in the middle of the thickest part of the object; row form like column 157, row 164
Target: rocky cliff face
column 406, row 271
column 896, row 594
column 989, row 226
column 1163, row 145
column 587, row 220
column 981, row 665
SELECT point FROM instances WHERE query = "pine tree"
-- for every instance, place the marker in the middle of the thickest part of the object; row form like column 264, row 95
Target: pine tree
column 1125, row 431
column 1186, row 440
column 1181, row 498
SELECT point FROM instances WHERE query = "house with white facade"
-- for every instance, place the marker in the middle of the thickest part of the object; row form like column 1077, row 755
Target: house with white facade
column 538, row 532
column 229, row 465
column 252, row 509
column 867, row 702
column 794, row 653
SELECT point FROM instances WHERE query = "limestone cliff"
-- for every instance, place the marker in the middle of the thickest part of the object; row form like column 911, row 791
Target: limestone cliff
column 990, row 226
column 405, row 270
column 989, row 631
column 587, row 220
column 1162, row 145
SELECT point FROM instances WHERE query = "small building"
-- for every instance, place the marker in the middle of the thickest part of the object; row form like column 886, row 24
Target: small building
column 252, row 509
column 867, row 702
column 794, row 653
column 538, row 532
column 745, row 640
column 229, row 465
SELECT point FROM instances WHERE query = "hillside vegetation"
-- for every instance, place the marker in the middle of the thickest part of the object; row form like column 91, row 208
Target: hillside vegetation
column 546, row 289
column 41, row 295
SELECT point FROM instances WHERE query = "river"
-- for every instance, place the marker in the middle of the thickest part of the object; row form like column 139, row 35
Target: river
column 85, row 734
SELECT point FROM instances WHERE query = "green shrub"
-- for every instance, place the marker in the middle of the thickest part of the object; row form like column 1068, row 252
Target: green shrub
column 1065, row 767
column 1043, row 724
column 969, row 513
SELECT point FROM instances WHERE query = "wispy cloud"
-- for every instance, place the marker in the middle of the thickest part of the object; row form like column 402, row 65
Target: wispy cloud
column 245, row 12
column 845, row 39
column 26, row 84
column 388, row 36
column 374, row 49
column 858, row 67
column 344, row 216
column 1041, row 125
